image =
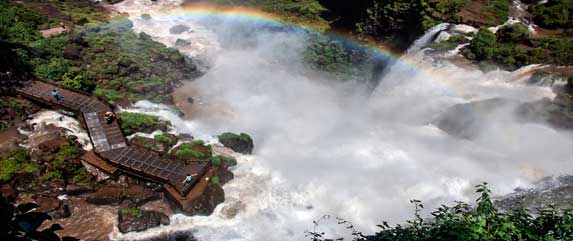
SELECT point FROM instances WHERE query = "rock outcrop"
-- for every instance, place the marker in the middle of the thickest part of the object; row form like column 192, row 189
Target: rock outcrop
column 135, row 220
column 240, row 143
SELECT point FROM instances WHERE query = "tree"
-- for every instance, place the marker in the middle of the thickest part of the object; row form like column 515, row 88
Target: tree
column 483, row 43
column 515, row 33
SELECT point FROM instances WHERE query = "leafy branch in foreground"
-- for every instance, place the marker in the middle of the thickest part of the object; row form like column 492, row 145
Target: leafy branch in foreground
column 462, row 222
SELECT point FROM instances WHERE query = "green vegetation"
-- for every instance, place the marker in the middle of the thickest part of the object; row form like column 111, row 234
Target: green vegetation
column 242, row 137
column 328, row 55
column 109, row 56
column 16, row 161
column 215, row 180
column 11, row 109
column 168, row 140
column 305, row 12
column 19, row 24
column 512, row 48
column 513, row 33
column 134, row 212
column 195, row 149
column 132, row 122
column 399, row 23
column 464, row 223
column 553, row 14
column 215, row 160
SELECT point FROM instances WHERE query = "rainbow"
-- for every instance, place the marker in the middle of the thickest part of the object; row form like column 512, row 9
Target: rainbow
column 248, row 14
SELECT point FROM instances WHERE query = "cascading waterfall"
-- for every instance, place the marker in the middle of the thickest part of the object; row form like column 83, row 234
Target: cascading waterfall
column 321, row 148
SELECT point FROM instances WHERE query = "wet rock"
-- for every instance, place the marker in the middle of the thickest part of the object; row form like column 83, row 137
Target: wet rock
column 182, row 42
column 466, row 120
column 9, row 192
column 115, row 195
column 135, row 220
column 62, row 212
column 74, row 190
column 114, row 1
column 190, row 100
column 179, row 29
column 47, row 204
column 53, row 145
column 230, row 211
column 240, row 143
column 175, row 236
column 224, row 175
column 213, row 196
column 556, row 191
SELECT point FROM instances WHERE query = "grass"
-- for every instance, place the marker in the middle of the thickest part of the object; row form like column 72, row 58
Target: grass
column 165, row 139
column 132, row 122
column 134, row 212
column 192, row 150
column 16, row 161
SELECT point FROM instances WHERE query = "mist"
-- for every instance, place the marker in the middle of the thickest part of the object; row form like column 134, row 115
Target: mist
column 327, row 147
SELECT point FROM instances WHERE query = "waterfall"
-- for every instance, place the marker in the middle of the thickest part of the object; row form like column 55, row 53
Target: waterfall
column 322, row 148
column 427, row 38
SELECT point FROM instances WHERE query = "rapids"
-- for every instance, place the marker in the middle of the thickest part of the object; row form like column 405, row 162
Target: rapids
column 323, row 147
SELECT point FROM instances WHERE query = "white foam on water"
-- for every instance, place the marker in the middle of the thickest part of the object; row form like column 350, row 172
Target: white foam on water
column 321, row 148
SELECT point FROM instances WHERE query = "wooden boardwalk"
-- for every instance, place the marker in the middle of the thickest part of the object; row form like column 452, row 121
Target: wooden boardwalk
column 110, row 144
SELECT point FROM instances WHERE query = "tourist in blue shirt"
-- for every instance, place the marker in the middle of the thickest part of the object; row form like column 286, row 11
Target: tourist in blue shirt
column 56, row 94
column 188, row 179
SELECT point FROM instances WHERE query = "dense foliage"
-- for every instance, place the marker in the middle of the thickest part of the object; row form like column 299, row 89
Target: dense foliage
column 553, row 14
column 512, row 48
column 15, row 162
column 401, row 22
column 109, row 56
column 132, row 122
column 482, row 222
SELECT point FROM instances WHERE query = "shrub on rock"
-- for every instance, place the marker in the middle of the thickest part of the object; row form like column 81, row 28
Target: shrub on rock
column 241, row 143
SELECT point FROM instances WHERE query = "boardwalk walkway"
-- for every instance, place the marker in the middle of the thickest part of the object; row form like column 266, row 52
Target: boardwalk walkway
column 110, row 144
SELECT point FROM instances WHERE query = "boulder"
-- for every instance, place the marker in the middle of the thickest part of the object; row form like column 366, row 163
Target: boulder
column 240, row 143
column 135, row 220
column 47, row 204
column 53, row 145
column 74, row 190
column 179, row 29
column 204, row 205
column 9, row 192
column 115, row 195
column 182, row 42
column 466, row 120
column 231, row 210
column 62, row 212
column 224, row 175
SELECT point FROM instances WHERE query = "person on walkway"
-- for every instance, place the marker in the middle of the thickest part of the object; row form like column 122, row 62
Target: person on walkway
column 56, row 94
column 109, row 117
column 188, row 179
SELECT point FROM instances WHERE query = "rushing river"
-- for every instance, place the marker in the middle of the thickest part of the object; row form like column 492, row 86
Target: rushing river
column 323, row 147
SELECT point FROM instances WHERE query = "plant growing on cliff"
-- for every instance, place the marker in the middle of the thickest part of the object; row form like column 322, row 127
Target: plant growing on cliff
column 16, row 161
column 464, row 223
column 553, row 14
column 132, row 122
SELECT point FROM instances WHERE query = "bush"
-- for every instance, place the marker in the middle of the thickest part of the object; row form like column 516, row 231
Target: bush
column 215, row 180
column 483, row 43
column 19, row 24
column 192, row 150
column 16, row 161
column 515, row 33
column 484, row 222
column 215, row 161
column 553, row 14
column 132, row 122
column 165, row 139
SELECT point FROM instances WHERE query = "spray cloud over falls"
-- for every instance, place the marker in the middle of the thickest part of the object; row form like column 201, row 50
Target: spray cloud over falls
column 324, row 147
